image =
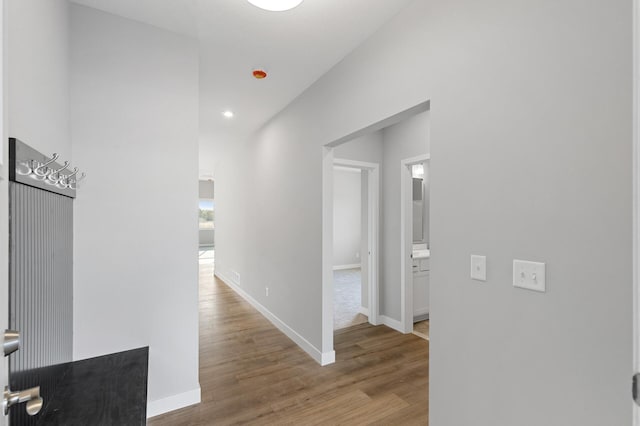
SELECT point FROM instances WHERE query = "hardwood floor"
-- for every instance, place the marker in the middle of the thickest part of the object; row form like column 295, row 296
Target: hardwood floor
column 251, row 373
column 421, row 329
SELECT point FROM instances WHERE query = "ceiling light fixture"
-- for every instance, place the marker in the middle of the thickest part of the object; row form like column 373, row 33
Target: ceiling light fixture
column 228, row 114
column 275, row 5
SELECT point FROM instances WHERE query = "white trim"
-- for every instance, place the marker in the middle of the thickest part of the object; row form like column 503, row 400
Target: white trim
column 364, row 311
column 226, row 279
column 373, row 279
column 173, row 402
column 420, row 335
column 327, row 249
column 328, row 358
column 389, row 121
column 373, row 231
column 346, row 169
column 354, row 164
column 320, row 357
column 406, row 241
column 636, row 198
column 392, row 323
column 343, row 267
column 373, row 214
column 420, row 313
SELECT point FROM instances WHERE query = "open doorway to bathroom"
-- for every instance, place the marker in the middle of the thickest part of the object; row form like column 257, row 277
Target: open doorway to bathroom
column 416, row 250
column 206, row 225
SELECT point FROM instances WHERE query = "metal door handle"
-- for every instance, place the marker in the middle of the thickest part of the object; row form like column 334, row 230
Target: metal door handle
column 30, row 396
column 11, row 342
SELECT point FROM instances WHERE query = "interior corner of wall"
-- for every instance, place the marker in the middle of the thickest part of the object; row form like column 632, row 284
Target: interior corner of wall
column 174, row 402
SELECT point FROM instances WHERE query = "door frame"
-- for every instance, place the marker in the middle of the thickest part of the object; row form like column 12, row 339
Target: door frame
column 373, row 230
column 328, row 353
column 328, row 162
column 406, row 240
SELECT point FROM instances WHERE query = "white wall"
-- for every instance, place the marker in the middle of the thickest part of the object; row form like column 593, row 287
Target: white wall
column 4, row 197
column 35, row 101
column 38, row 73
column 407, row 139
column 367, row 148
column 134, row 116
column 346, row 217
column 514, row 87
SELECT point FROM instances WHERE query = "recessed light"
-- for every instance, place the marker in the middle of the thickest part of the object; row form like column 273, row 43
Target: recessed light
column 228, row 114
column 275, row 5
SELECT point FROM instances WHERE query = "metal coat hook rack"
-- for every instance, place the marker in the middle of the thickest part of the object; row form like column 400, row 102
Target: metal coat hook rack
column 32, row 168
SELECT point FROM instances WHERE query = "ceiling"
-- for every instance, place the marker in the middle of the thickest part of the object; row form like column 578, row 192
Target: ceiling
column 295, row 47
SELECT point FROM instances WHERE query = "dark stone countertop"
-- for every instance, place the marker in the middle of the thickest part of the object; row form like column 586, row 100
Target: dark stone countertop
column 102, row 391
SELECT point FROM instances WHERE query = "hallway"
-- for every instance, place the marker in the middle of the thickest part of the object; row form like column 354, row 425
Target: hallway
column 250, row 373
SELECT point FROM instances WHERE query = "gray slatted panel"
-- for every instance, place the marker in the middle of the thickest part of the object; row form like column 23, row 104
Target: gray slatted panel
column 41, row 276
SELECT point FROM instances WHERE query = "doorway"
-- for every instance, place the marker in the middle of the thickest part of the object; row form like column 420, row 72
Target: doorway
column 405, row 131
column 206, row 223
column 415, row 249
column 357, row 281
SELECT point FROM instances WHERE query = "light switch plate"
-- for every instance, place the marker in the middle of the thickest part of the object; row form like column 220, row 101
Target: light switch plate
column 478, row 267
column 529, row 275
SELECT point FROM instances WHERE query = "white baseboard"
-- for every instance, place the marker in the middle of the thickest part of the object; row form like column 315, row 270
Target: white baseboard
column 364, row 311
column 341, row 267
column 421, row 315
column 225, row 278
column 320, row 357
column 391, row 323
column 328, row 358
column 174, row 402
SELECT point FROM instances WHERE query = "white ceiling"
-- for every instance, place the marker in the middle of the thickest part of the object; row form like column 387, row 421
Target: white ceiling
column 295, row 47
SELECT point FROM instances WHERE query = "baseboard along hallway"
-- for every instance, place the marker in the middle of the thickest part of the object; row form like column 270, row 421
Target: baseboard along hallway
column 250, row 372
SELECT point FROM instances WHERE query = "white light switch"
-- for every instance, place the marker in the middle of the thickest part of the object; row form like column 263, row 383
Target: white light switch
column 478, row 267
column 529, row 275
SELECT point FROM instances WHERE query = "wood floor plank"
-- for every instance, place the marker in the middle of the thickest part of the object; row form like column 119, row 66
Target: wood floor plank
column 251, row 373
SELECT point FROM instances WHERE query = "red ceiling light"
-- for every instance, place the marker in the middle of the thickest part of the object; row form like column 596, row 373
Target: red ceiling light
column 259, row 74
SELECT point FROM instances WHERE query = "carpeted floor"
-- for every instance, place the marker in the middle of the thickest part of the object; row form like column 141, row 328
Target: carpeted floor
column 346, row 299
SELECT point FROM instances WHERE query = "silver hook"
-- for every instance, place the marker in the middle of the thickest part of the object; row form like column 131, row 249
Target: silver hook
column 44, row 165
column 56, row 173
column 73, row 183
column 75, row 172
column 24, row 168
column 64, row 180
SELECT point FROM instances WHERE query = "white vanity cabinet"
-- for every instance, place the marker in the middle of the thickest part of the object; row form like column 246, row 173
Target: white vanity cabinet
column 420, row 287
